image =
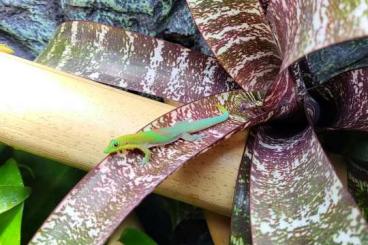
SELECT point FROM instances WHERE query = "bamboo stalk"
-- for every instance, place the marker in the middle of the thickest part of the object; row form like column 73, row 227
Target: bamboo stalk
column 71, row 119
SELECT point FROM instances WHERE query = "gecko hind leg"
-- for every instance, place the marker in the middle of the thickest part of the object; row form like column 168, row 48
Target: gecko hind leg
column 191, row 137
column 147, row 155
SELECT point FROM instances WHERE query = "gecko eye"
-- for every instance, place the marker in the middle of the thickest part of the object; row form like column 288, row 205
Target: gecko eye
column 115, row 143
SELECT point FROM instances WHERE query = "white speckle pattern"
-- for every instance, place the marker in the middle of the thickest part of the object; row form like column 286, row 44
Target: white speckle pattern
column 135, row 62
column 299, row 199
column 65, row 54
column 304, row 26
column 155, row 61
column 240, row 38
column 349, row 93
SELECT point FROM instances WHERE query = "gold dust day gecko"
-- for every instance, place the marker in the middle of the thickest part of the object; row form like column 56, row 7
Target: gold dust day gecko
column 162, row 136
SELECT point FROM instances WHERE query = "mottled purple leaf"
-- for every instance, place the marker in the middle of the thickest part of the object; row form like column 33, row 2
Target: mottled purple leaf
column 347, row 96
column 135, row 62
column 103, row 198
column 240, row 216
column 241, row 40
column 295, row 195
column 264, row 4
column 304, row 26
column 281, row 98
column 280, row 101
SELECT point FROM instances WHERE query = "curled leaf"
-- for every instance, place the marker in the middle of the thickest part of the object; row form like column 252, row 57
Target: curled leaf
column 304, row 26
column 346, row 97
column 135, row 62
column 241, row 40
column 240, row 217
column 327, row 63
column 296, row 197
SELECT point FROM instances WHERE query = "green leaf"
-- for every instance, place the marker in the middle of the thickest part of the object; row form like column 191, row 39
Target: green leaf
column 10, row 226
column 50, row 182
column 11, row 196
column 132, row 236
column 10, row 174
column 10, row 221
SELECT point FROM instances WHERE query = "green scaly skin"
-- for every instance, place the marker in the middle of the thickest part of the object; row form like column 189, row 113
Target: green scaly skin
column 162, row 136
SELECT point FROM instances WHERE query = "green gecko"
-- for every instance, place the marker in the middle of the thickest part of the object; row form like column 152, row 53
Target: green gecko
column 5, row 49
column 162, row 136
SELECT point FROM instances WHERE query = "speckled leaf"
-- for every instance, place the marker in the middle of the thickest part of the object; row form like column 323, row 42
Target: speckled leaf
column 304, row 26
column 299, row 199
column 347, row 96
column 281, row 100
column 326, row 63
column 240, row 38
column 240, row 217
column 264, row 4
column 135, row 62
column 96, row 206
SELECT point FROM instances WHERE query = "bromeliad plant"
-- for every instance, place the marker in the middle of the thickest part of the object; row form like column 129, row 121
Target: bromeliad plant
column 301, row 69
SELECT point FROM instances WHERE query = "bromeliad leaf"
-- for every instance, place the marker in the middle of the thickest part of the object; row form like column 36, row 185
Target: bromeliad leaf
column 281, row 100
column 10, row 202
column 327, row 63
column 302, row 27
column 135, row 62
column 309, row 205
column 240, row 217
column 241, row 39
column 347, row 95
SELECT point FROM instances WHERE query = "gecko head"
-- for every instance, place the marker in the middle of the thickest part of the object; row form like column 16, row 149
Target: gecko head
column 112, row 147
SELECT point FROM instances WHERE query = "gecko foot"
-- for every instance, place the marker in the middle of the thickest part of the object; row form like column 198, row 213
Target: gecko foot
column 191, row 137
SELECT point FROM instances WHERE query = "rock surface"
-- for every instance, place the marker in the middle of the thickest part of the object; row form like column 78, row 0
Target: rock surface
column 27, row 25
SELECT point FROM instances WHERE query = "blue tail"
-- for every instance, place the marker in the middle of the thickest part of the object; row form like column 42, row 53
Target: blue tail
column 209, row 122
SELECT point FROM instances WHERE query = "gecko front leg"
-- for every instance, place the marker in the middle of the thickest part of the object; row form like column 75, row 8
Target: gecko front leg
column 143, row 148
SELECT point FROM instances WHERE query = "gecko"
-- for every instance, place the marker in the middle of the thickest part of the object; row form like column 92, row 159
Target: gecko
column 5, row 49
column 158, row 137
